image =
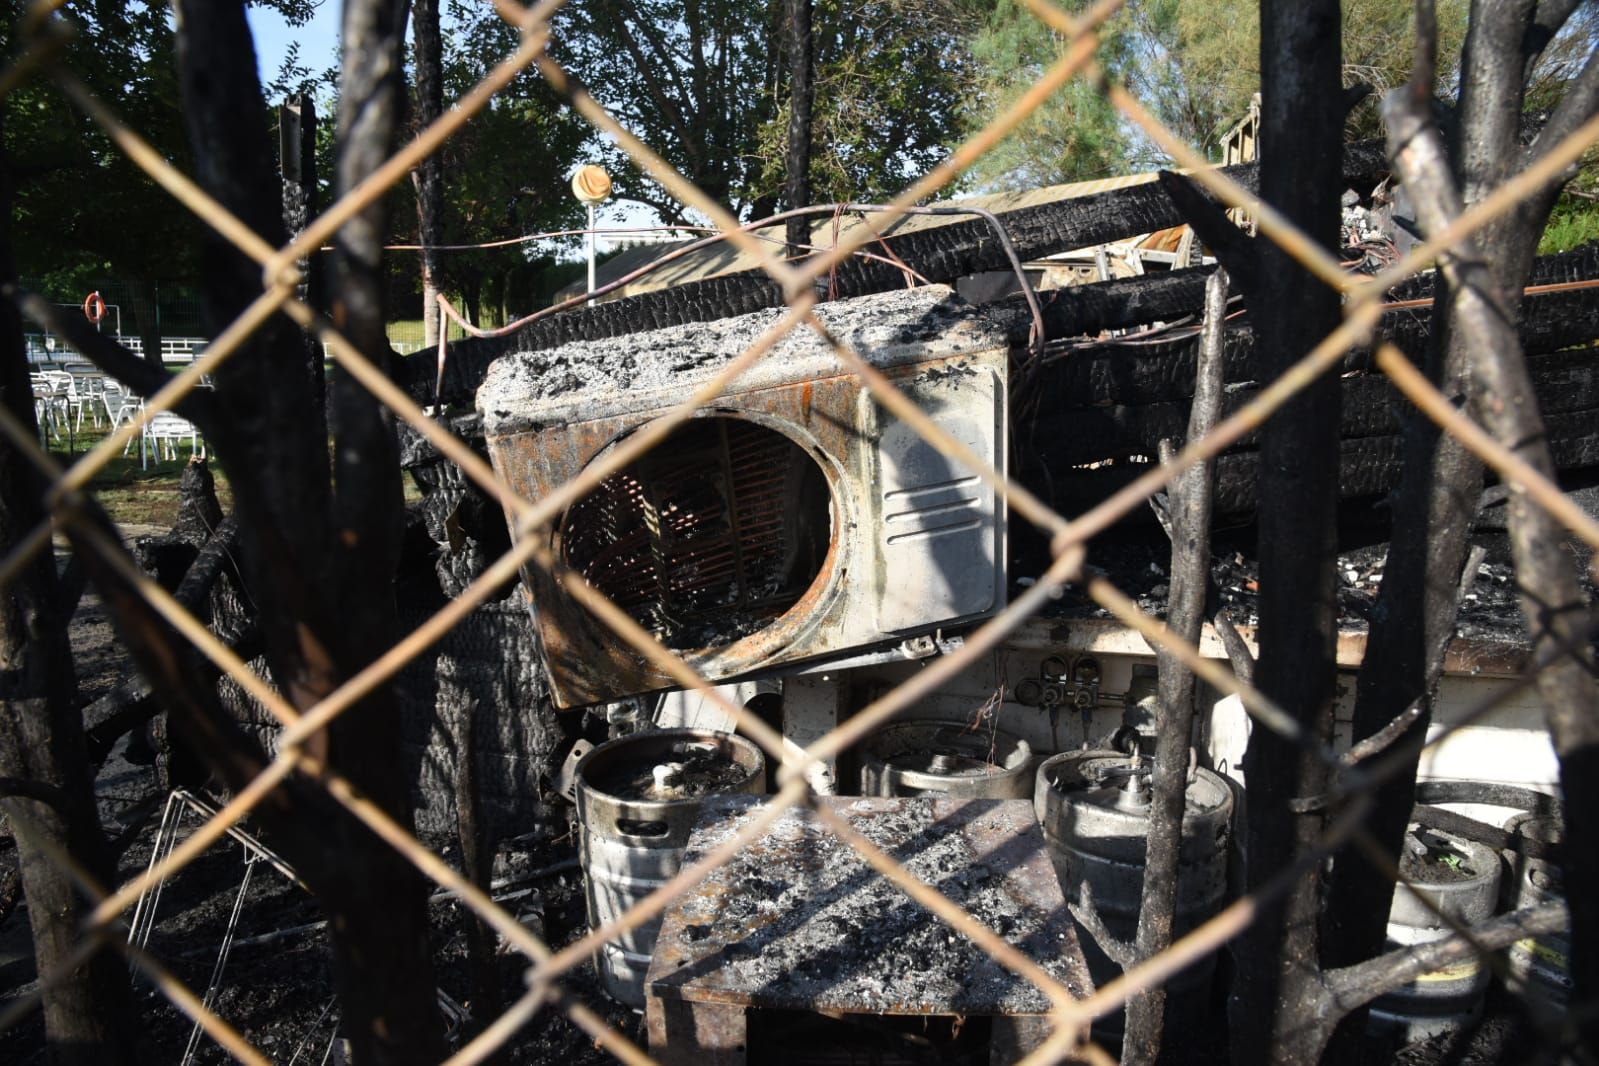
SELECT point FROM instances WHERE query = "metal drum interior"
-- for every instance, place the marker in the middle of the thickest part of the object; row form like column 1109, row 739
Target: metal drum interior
column 711, row 536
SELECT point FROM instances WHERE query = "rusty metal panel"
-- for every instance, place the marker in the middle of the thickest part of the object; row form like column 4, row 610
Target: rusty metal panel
column 948, row 357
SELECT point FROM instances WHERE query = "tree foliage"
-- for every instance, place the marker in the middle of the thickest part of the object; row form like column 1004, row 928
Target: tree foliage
column 693, row 78
column 891, row 79
column 705, row 84
column 1194, row 63
column 503, row 174
column 82, row 209
column 1074, row 137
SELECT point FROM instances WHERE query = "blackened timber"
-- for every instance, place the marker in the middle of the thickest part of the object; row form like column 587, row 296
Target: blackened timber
column 1084, row 310
column 1565, row 381
column 938, row 253
column 1169, row 296
column 1367, row 467
column 1579, row 264
column 1157, row 370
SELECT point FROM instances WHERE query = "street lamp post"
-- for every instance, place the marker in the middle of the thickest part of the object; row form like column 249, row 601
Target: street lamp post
column 592, row 186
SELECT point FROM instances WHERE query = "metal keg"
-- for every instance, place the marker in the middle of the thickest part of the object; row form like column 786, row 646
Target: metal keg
column 637, row 800
column 1460, row 879
column 1094, row 807
column 1539, row 966
column 946, row 759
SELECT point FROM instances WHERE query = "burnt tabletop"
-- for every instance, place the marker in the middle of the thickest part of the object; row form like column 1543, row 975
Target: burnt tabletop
column 799, row 921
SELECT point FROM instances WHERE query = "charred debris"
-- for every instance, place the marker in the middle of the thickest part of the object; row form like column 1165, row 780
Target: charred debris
column 1113, row 377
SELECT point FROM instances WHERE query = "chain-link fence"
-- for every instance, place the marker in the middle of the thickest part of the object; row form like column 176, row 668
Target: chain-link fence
column 1068, row 537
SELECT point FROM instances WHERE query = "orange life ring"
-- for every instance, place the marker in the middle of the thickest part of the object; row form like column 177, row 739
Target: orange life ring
column 94, row 307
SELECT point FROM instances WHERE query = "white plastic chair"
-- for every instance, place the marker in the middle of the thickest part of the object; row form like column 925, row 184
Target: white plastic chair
column 88, row 388
column 165, row 430
column 48, row 407
column 121, row 404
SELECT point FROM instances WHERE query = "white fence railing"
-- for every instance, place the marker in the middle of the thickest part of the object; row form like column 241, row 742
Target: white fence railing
column 46, row 349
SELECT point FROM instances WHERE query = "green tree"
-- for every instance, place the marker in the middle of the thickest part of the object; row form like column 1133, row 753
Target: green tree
column 693, row 79
column 1217, row 43
column 502, row 176
column 1194, row 63
column 706, row 84
column 1076, row 136
column 83, row 212
column 891, row 79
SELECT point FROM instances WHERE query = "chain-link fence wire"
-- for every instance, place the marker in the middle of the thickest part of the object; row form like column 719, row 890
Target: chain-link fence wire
column 43, row 35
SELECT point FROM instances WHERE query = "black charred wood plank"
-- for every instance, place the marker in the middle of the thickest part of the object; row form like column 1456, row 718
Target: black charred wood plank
column 1368, row 466
column 1565, row 381
column 1579, row 264
column 1156, row 370
column 1085, row 310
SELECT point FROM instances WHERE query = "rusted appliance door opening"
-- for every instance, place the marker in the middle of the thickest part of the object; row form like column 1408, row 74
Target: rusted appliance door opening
column 712, row 536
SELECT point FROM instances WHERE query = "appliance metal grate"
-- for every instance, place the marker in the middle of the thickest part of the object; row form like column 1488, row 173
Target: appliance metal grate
column 710, row 537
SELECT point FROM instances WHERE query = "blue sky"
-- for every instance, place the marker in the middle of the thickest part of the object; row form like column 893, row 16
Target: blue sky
column 319, row 38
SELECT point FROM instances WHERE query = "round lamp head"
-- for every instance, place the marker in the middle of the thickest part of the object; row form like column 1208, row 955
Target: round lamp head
column 591, row 184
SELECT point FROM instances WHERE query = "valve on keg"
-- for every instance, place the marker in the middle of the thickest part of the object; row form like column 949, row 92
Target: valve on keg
column 1134, row 793
column 668, row 780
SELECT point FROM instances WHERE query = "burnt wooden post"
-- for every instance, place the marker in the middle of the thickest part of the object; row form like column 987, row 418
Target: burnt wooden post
column 88, row 1015
column 1174, row 721
column 297, row 133
column 1301, row 136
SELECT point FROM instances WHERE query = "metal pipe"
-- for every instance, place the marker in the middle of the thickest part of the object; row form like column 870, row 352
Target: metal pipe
column 591, row 249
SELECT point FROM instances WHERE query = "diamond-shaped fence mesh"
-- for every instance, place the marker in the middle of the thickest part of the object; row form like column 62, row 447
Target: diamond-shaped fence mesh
column 1068, row 538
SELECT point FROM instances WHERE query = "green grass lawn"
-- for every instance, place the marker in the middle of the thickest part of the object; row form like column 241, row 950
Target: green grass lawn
column 132, row 495
column 135, row 496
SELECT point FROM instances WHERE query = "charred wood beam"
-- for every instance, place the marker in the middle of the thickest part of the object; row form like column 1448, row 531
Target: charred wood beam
column 130, row 704
column 26, row 788
column 1233, row 248
column 1301, row 128
column 1565, row 382
column 1367, row 467
column 133, row 702
column 1579, row 264
column 1174, row 715
column 382, row 949
column 940, row 253
column 323, row 604
column 1085, row 310
column 1141, row 372
column 269, row 431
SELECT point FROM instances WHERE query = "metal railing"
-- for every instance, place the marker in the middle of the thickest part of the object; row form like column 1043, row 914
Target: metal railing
column 1068, row 537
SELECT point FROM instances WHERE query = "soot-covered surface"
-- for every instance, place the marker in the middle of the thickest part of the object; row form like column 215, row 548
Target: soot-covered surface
column 689, row 774
column 884, row 328
column 799, row 921
column 1137, row 558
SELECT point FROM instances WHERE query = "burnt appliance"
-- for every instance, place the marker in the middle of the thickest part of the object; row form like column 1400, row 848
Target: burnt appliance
column 793, row 518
